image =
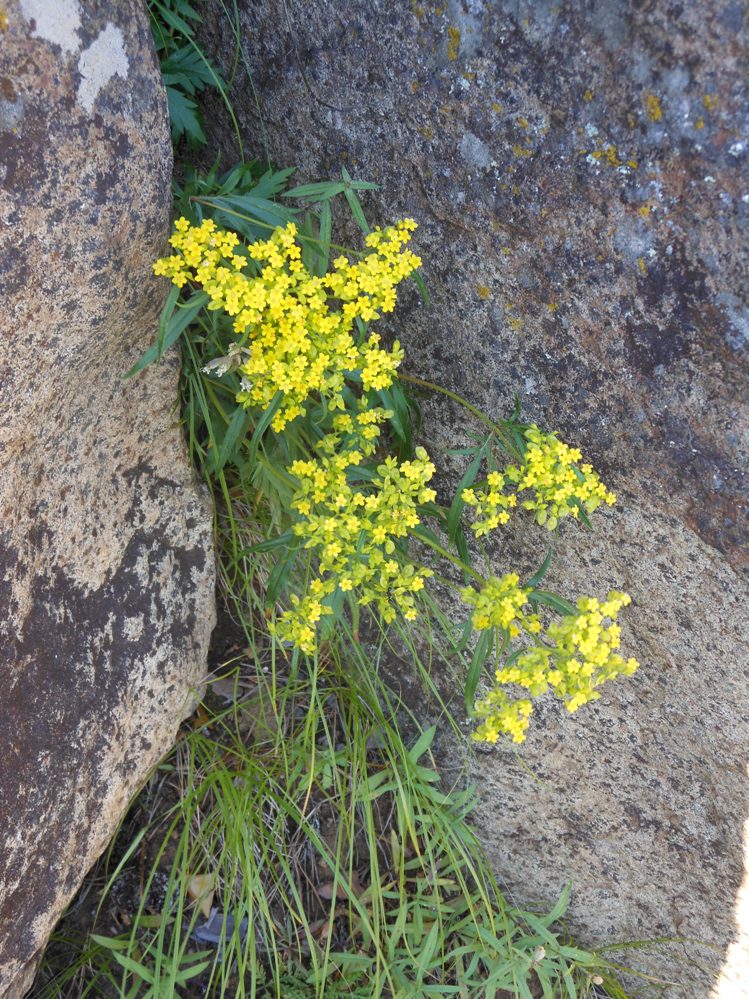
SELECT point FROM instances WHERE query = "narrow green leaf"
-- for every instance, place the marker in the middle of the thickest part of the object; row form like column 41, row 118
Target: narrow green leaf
column 134, row 968
column 422, row 744
column 553, row 601
column 539, row 574
column 562, row 905
column 326, row 226
column 480, row 655
column 177, row 324
column 285, row 540
column 262, row 425
column 457, row 505
column 279, row 577
column 232, row 439
column 323, row 190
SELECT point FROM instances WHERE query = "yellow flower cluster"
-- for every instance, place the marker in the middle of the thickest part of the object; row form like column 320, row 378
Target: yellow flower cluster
column 298, row 326
column 501, row 716
column 550, row 469
column 499, row 604
column 491, row 505
column 577, row 656
column 352, row 530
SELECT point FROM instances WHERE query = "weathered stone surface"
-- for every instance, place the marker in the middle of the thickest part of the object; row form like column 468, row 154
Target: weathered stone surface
column 579, row 173
column 106, row 565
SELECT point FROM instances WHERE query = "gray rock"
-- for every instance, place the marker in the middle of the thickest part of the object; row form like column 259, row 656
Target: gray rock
column 106, row 564
column 595, row 256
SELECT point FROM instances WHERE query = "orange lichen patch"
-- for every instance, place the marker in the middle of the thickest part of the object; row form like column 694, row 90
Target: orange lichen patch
column 521, row 152
column 524, row 123
column 418, row 10
column 483, row 292
column 496, row 108
column 653, row 107
column 469, row 76
column 414, row 86
column 517, row 324
column 3, row 21
column 644, row 210
column 552, row 306
column 700, row 123
column 427, row 131
column 710, row 102
column 588, row 95
column 632, row 164
column 608, row 154
column 453, row 43
column 642, row 266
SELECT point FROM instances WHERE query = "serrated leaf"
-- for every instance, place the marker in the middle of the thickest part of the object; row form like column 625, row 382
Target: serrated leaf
column 184, row 116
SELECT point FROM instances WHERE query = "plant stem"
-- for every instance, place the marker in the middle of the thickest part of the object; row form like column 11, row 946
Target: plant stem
column 496, row 426
column 448, row 555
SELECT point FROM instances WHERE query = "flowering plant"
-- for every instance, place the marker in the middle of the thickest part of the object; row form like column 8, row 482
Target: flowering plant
column 319, row 399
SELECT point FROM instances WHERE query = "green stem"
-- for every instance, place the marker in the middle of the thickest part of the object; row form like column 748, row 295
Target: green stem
column 496, row 426
column 448, row 555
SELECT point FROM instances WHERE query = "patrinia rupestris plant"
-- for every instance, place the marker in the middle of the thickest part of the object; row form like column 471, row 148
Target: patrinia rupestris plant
column 316, row 400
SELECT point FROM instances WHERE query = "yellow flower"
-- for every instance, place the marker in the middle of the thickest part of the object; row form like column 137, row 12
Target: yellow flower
column 352, row 529
column 298, row 326
column 577, row 656
column 560, row 488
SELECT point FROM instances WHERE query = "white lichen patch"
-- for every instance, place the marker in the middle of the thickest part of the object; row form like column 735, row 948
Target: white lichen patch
column 475, row 152
column 57, row 22
column 104, row 58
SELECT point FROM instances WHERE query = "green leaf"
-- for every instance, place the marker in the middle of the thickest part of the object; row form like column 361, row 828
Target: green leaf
column 262, row 425
column 266, row 211
column 185, row 116
column 354, row 204
column 279, row 577
column 457, row 505
column 552, row 600
column 418, row 280
column 422, row 744
column 562, row 905
column 321, row 191
column 272, row 183
column 326, row 226
column 539, row 574
column 285, row 540
column 480, row 655
column 176, row 325
column 182, row 27
column 232, row 439
column 111, row 943
column 134, row 968
column 167, row 313
column 193, row 970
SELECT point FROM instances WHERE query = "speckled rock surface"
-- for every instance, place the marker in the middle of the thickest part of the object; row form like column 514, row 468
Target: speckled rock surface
column 579, row 172
column 106, row 564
